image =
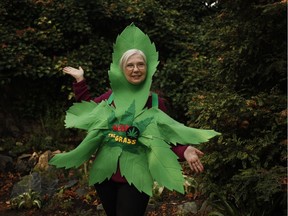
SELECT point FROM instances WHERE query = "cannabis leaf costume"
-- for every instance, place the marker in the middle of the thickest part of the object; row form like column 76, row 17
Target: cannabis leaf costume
column 138, row 138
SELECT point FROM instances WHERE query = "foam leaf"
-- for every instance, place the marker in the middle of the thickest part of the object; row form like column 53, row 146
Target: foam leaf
column 166, row 128
column 79, row 155
column 164, row 166
column 105, row 164
column 135, row 168
column 124, row 92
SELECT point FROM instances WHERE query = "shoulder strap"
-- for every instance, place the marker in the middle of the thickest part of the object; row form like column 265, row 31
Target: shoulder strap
column 111, row 98
column 154, row 100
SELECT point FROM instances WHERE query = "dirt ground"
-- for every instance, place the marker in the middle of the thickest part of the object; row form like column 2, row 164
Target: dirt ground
column 68, row 202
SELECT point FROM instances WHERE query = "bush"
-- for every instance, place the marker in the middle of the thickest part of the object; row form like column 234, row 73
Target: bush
column 222, row 66
column 252, row 147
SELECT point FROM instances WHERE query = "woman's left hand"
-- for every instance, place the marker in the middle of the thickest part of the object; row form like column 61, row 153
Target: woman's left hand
column 192, row 155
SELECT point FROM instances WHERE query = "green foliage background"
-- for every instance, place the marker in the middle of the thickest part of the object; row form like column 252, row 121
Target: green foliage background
column 222, row 66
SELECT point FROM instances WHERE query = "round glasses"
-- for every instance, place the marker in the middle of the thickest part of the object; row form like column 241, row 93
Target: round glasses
column 140, row 66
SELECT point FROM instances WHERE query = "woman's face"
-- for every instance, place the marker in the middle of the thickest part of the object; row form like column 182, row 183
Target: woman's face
column 135, row 69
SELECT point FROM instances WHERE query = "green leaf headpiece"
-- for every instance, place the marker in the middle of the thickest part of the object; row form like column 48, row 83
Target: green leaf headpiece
column 124, row 92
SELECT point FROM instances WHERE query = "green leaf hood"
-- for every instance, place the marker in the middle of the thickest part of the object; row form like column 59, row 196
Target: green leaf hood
column 124, row 92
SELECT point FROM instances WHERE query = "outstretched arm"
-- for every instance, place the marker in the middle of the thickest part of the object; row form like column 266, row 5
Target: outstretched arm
column 78, row 74
column 80, row 87
column 192, row 156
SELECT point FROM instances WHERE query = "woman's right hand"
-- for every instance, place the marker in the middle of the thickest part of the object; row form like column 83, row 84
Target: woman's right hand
column 78, row 74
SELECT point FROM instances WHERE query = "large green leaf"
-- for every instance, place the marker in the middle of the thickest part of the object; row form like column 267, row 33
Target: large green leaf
column 166, row 128
column 78, row 115
column 128, row 116
column 88, row 115
column 164, row 166
column 105, row 164
column 134, row 167
column 82, row 153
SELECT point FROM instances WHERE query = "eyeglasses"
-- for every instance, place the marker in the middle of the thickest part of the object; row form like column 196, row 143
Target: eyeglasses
column 140, row 66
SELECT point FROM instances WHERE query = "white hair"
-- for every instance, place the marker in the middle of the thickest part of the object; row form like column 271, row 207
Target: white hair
column 128, row 54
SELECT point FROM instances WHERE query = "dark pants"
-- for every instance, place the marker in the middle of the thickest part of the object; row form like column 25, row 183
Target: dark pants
column 121, row 199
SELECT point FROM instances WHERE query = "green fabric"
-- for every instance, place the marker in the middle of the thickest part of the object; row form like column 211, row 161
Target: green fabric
column 154, row 100
column 165, row 128
column 111, row 98
column 136, row 137
column 81, row 154
column 164, row 166
column 135, row 168
column 124, row 92
column 105, row 164
column 150, row 159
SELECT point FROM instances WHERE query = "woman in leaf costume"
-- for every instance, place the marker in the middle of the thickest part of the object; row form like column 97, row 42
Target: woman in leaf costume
column 129, row 132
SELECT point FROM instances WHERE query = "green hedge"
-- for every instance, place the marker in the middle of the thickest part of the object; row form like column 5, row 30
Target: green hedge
column 222, row 66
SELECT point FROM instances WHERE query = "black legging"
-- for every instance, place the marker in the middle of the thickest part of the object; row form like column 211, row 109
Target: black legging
column 121, row 199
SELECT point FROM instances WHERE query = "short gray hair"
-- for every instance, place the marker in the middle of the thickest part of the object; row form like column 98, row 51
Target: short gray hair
column 126, row 55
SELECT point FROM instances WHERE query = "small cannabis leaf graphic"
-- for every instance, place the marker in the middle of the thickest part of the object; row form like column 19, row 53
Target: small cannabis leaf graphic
column 132, row 132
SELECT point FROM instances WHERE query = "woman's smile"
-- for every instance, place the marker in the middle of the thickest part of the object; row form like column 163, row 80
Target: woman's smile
column 135, row 69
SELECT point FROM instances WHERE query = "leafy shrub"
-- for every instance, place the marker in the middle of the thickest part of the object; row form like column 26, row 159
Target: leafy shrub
column 222, row 66
column 251, row 148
